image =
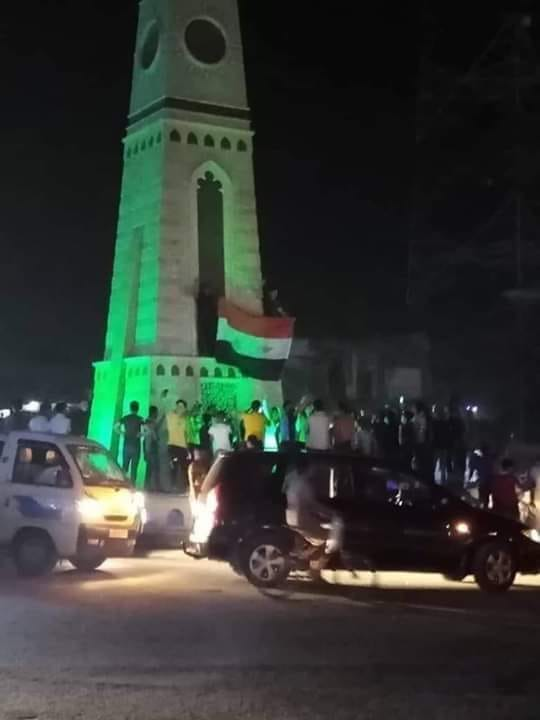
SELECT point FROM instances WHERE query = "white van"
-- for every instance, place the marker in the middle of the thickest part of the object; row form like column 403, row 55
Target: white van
column 64, row 498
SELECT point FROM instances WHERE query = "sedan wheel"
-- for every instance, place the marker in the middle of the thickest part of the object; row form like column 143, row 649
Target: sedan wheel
column 495, row 567
column 266, row 563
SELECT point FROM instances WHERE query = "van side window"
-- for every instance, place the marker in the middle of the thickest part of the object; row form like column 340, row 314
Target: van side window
column 42, row 464
column 2, row 443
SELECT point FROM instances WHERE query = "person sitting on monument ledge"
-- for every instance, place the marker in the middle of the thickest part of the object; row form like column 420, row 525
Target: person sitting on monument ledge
column 177, row 445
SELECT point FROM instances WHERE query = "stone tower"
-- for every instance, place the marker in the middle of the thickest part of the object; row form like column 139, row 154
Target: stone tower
column 187, row 218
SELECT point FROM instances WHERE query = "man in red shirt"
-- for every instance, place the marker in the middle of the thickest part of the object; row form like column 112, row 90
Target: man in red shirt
column 504, row 491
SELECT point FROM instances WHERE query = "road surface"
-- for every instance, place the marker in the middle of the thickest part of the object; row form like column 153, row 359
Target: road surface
column 168, row 638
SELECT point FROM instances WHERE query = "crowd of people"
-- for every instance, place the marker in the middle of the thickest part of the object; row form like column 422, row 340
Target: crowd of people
column 170, row 439
column 175, row 436
column 433, row 442
column 176, row 441
column 48, row 419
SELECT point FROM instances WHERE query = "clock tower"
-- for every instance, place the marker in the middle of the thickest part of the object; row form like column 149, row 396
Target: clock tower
column 187, row 228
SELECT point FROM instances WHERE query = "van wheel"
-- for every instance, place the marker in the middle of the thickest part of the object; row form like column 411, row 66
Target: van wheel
column 34, row 554
column 87, row 562
column 265, row 561
column 494, row 567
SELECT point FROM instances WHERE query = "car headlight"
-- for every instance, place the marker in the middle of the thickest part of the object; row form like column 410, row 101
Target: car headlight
column 462, row 528
column 139, row 500
column 532, row 534
column 90, row 509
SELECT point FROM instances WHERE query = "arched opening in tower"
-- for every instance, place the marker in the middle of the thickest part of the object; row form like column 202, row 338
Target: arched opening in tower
column 211, row 260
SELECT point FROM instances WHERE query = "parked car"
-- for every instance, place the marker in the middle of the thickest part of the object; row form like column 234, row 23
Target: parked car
column 386, row 515
column 64, row 498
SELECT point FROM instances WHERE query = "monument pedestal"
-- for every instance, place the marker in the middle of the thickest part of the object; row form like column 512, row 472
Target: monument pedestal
column 118, row 383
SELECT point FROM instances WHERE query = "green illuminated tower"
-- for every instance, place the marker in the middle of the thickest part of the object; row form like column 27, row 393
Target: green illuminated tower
column 187, row 216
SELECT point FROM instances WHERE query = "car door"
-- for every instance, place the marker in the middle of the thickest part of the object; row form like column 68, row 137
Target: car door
column 426, row 519
column 371, row 528
column 38, row 492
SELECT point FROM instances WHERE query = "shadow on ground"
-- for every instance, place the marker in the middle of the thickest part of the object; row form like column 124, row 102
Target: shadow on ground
column 462, row 597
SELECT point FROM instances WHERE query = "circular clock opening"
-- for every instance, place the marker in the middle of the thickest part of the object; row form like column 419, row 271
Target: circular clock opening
column 206, row 42
column 150, row 46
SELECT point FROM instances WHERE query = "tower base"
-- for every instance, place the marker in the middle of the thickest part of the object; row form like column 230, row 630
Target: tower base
column 193, row 379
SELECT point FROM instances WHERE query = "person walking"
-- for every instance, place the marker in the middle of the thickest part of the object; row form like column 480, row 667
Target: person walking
column 319, row 428
column 177, row 446
column 131, row 428
column 406, row 438
column 479, row 474
column 440, row 434
column 504, row 491
column 423, row 457
column 364, row 441
column 344, row 428
column 60, row 423
column 456, row 443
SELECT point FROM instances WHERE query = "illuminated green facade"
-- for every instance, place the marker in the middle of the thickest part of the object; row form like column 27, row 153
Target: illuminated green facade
column 189, row 133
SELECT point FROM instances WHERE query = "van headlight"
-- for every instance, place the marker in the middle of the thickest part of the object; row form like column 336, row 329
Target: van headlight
column 90, row 509
column 532, row 534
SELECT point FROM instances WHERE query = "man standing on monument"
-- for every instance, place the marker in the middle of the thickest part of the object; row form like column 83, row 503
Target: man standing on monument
column 131, row 427
column 177, row 445
column 253, row 423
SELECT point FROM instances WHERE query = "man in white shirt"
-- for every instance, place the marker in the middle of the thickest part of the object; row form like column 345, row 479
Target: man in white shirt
column 220, row 434
column 319, row 428
column 60, row 424
column 304, row 512
column 40, row 422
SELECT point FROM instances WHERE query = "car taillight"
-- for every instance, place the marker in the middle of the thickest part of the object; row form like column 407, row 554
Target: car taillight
column 206, row 516
column 212, row 501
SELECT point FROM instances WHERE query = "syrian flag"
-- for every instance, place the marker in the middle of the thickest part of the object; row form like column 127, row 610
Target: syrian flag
column 258, row 346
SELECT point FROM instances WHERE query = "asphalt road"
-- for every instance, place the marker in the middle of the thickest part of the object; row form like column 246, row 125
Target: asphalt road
column 166, row 637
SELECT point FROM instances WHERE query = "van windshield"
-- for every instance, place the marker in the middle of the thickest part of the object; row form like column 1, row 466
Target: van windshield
column 97, row 466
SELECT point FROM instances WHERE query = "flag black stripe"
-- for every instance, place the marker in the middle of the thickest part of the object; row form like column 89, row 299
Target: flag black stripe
column 258, row 369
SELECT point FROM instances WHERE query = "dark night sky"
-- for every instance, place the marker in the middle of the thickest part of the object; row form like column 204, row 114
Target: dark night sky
column 332, row 94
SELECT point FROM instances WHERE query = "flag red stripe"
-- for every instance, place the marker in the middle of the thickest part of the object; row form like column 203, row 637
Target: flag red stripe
column 259, row 326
